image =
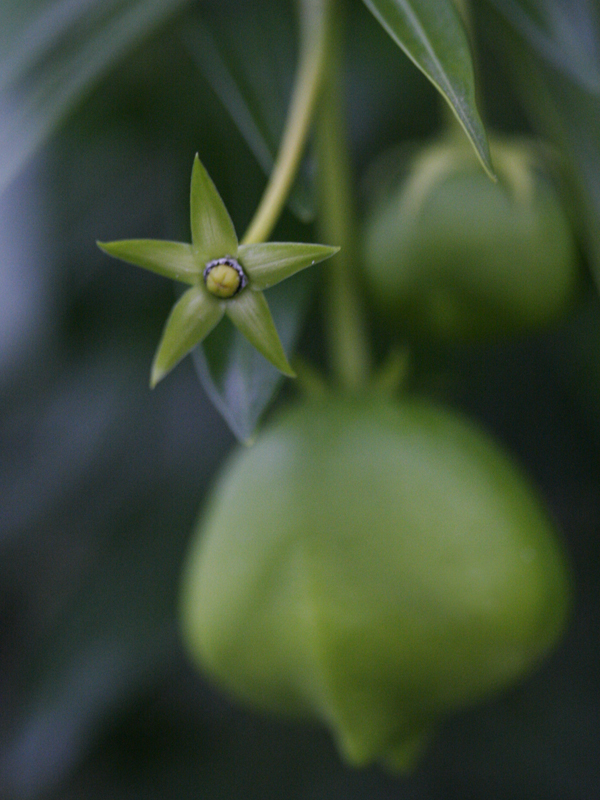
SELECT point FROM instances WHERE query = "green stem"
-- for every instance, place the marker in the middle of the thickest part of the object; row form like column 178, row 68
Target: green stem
column 347, row 336
column 315, row 23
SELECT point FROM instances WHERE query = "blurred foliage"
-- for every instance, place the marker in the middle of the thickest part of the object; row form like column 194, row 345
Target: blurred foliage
column 552, row 52
column 101, row 480
column 51, row 53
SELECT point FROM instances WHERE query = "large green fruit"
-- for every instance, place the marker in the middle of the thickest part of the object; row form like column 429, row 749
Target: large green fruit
column 449, row 254
column 373, row 566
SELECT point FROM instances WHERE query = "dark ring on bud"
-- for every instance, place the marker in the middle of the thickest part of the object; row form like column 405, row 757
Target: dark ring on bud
column 230, row 262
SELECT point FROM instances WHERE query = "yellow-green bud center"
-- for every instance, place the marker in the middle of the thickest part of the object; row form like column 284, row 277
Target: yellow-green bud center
column 224, row 277
column 223, row 281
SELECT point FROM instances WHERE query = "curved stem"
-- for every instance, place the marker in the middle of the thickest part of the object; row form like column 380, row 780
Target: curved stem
column 347, row 335
column 315, row 24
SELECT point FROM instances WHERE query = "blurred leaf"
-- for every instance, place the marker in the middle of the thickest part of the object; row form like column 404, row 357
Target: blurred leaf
column 118, row 636
column 238, row 379
column 432, row 35
column 248, row 60
column 51, row 53
column 564, row 32
column 112, row 485
column 563, row 105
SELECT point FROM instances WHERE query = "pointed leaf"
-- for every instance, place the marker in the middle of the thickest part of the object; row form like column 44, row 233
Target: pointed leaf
column 172, row 259
column 213, row 234
column 238, row 379
column 251, row 316
column 432, row 35
column 268, row 264
column 52, row 53
column 193, row 317
column 248, row 58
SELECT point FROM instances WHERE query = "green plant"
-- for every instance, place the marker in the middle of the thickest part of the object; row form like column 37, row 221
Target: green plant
column 445, row 239
column 225, row 278
column 254, row 517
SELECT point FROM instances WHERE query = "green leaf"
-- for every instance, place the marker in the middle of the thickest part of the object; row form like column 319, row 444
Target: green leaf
column 250, row 314
column 172, row 259
column 432, row 35
column 564, row 107
column 248, row 59
column 118, row 506
column 268, row 264
column 213, row 234
column 192, row 318
column 51, row 53
column 236, row 377
column 563, row 32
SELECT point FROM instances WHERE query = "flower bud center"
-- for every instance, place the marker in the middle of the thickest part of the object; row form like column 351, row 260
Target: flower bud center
column 224, row 277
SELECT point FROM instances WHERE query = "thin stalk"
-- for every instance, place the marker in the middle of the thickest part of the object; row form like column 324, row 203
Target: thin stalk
column 315, row 22
column 348, row 342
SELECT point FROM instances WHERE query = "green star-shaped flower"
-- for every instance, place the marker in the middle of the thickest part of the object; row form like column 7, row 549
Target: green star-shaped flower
column 225, row 278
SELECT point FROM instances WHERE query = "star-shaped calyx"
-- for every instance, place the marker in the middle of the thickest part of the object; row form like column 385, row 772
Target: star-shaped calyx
column 225, row 278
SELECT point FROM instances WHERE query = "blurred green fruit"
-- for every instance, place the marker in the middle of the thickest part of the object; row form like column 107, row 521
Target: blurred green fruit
column 373, row 566
column 449, row 254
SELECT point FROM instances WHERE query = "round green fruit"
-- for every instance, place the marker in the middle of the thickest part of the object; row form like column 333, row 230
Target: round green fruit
column 373, row 566
column 449, row 254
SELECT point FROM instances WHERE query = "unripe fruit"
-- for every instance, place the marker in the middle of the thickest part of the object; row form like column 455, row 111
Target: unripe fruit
column 449, row 254
column 373, row 566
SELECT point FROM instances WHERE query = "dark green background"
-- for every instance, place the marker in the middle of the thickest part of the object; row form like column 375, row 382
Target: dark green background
column 101, row 480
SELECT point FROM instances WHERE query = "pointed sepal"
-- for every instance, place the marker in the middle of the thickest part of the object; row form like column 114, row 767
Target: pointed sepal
column 173, row 260
column 192, row 318
column 270, row 263
column 251, row 315
column 213, row 234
